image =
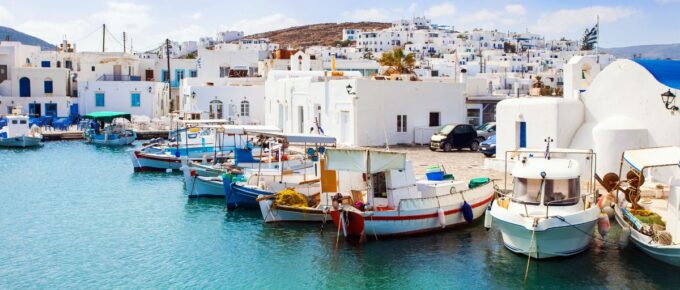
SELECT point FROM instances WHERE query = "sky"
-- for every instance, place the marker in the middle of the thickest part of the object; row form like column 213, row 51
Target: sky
column 149, row 22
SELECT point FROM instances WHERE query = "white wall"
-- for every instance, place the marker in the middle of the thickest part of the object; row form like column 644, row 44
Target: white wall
column 229, row 96
column 117, row 94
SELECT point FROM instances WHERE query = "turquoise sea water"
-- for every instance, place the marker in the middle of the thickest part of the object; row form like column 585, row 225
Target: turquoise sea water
column 76, row 216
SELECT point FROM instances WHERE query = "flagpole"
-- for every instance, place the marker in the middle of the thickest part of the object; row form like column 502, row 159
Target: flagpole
column 597, row 39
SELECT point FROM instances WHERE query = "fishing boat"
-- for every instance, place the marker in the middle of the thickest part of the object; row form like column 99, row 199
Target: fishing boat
column 647, row 202
column 112, row 134
column 390, row 202
column 18, row 134
column 274, row 163
column 547, row 214
column 201, row 143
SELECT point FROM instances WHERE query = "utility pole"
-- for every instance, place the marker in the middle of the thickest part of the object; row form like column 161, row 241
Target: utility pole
column 104, row 37
column 167, row 55
column 124, row 47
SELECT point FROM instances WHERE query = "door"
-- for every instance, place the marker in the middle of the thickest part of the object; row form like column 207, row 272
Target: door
column 117, row 71
column 522, row 134
column 51, row 110
column 344, row 127
column 34, row 110
column 24, row 87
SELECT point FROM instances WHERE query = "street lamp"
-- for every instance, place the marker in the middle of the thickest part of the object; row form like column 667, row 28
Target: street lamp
column 668, row 99
column 349, row 90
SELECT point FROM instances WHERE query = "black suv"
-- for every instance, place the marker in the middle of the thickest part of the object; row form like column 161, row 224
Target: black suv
column 456, row 136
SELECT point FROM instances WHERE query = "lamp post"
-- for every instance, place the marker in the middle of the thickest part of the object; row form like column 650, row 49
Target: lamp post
column 668, row 99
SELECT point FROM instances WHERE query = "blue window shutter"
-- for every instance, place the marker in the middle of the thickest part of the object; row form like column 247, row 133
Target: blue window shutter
column 99, row 100
column 135, row 99
column 48, row 87
column 45, row 63
column 522, row 134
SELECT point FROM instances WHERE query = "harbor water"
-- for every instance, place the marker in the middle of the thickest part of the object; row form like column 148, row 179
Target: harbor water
column 76, row 216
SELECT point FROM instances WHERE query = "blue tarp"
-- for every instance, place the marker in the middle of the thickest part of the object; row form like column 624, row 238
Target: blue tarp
column 666, row 72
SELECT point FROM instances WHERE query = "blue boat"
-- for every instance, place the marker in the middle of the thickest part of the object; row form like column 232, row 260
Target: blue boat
column 112, row 134
column 241, row 196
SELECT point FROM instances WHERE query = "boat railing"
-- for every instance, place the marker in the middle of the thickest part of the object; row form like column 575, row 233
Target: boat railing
column 507, row 193
column 554, row 202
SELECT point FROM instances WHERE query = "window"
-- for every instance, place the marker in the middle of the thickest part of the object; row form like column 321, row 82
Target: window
column 216, row 109
column 224, row 71
column 164, row 75
column 99, row 100
column 22, row 122
column 527, row 191
column 401, row 123
column 245, row 109
column 135, row 100
column 48, row 86
column 561, row 192
column 434, row 119
column 58, row 64
column 45, row 63
column 193, row 73
column 68, row 64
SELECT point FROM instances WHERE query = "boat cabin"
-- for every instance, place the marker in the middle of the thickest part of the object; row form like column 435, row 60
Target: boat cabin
column 547, row 182
column 17, row 125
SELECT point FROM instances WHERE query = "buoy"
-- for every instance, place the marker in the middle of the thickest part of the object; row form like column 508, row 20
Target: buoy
column 609, row 211
column 487, row 218
column 623, row 238
column 467, row 212
column 603, row 224
column 600, row 201
column 441, row 217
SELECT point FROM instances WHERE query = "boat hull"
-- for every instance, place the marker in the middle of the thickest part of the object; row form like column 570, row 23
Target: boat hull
column 276, row 213
column 242, row 196
column 142, row 161
column 122, row 141
column 354, row 223
column 20, row 142
column 666, row 254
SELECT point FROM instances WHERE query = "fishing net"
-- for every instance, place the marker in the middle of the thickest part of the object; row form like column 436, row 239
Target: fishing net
column 290, row 197
column 648, row 217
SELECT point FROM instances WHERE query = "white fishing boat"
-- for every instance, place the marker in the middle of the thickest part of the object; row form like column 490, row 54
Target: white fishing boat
column 390, row 202
column 647, row 203
column 18, row 134
column 546, row 214
column 111, row 134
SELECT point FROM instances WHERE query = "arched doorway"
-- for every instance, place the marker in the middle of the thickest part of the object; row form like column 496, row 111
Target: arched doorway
column 24, row 87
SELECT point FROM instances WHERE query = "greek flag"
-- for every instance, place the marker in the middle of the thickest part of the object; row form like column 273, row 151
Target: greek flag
column 591, row 35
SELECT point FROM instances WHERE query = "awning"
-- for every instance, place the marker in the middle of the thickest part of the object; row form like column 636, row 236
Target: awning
column 652, row 157
column 356, row 160
column 107, row 117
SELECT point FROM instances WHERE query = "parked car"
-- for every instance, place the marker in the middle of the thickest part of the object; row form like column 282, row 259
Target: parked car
column 488, row 146
column 456, row 136
column 486, row 130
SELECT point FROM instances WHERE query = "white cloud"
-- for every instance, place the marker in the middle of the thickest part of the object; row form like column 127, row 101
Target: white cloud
column 5, row 16
column 187, row 32
column 515, row 9
column 267, row 23
column 195, row 16
column 441, row 10
column 370, row 14
column 572, row 21
column 124, row 16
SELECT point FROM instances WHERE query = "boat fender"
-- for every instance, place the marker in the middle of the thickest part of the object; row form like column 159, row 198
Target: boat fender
column 487, row 218
column 467, row 212
column 609, row 210
column 603, row 224
column 441, row 217
column 624, row 237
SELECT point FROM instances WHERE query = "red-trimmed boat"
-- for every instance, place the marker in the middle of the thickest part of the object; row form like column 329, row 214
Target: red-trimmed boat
column 395, row 204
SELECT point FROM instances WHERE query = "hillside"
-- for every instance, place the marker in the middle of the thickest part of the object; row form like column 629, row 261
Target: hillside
column 653, row 51
column 24, row 38
column 315, row 34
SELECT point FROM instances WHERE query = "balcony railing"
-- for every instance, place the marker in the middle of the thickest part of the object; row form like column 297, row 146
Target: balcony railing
column 120, row 78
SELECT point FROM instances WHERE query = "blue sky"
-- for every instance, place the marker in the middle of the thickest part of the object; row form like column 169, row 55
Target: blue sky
column 148, row 23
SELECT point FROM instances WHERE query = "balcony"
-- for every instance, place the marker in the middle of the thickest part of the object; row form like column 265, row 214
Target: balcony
column 120, row 78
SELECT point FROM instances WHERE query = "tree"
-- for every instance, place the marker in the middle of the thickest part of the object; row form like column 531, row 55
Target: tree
column 398, row 62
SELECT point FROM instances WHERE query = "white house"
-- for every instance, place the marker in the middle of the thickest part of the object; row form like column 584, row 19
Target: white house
column 135, row 97
column 361, row 111
column 611, row 111
column 237, row 100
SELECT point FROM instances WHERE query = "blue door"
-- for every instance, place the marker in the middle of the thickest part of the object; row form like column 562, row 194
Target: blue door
column 24, row 87
column 34, row 110
column 522, row 134
column 51, row 110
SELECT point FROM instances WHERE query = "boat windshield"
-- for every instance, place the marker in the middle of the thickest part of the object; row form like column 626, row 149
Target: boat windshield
column 562, row 192
column 447, row 129
column 527, row 191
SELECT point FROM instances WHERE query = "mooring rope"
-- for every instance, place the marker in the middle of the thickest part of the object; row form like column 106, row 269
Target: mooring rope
column 582, row 231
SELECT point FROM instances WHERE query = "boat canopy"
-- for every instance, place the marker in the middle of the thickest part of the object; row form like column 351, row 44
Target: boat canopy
column 640, row 159
column 553, row 168
column 357, row 160
column 242, row 129
column 295, row 138
column 107, row 117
